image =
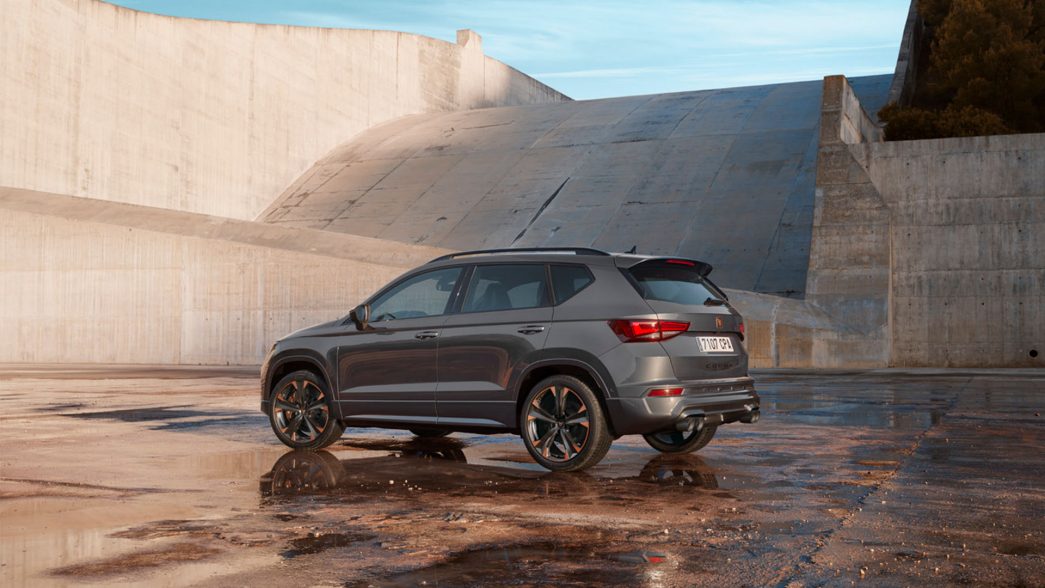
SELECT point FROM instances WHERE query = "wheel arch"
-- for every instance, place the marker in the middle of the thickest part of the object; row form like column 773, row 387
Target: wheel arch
column 291, row 363
column 565, row 366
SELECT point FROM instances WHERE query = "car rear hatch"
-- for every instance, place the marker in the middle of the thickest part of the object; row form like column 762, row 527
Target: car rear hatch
column 678, row 290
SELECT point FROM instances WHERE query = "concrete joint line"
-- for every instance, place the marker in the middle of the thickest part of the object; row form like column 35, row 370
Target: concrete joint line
column 540, row 210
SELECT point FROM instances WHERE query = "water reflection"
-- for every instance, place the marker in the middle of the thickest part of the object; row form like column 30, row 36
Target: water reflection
column 441, row 465
column 546, row 564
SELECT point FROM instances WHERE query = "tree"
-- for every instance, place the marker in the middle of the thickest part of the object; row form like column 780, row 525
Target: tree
column 985, row 75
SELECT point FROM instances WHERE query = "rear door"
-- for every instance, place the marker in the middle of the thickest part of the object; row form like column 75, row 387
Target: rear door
column 676, row 290
column 505, row 315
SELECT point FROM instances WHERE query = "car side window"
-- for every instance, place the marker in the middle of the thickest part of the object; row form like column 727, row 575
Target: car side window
column 568, row 280
column 426, row 294
column 506, row 287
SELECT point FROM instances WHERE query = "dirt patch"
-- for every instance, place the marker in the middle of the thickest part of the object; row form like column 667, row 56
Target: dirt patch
column 141, row 560
column 170, row 528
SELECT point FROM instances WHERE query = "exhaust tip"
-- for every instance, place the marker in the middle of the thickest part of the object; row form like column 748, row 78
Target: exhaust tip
column 694, row 423
column 751, row 417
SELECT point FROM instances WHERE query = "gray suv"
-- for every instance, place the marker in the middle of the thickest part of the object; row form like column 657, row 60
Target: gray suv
column 570, row 348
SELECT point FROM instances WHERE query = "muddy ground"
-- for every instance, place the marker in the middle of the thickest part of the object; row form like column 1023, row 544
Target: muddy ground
column 171, row 476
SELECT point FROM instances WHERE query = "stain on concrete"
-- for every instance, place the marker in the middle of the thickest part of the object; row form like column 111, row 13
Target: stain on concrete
column 139, row 561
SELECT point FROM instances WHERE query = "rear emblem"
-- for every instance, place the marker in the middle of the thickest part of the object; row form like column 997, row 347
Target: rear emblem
column 718, row 322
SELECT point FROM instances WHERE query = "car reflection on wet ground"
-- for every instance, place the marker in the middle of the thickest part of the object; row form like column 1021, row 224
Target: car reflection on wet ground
column 171, row 477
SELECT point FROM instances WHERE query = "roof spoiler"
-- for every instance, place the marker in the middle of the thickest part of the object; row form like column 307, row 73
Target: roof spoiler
column 702, row 268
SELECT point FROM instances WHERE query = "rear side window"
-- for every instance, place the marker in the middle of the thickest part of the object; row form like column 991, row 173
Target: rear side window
column 506, row 287
column 677, row 284
column 567, row 280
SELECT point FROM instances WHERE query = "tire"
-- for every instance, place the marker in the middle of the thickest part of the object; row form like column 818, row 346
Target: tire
column 680, row 441
column 430, row 433
column 556, row 414
column 301, row 412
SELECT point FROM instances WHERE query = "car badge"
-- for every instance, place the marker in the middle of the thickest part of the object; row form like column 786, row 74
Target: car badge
column 718, row 322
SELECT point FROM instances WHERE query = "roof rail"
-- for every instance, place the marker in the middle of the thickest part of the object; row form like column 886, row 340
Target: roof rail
column 573, row 250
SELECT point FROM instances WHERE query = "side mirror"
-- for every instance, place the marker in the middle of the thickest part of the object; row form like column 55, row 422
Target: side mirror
column 360, row 315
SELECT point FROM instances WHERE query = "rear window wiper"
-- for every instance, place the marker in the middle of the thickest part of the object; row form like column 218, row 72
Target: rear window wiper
column 713, row 302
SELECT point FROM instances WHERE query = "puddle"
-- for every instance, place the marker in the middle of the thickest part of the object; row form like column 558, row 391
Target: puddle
column 412, row 473
column 175, row 418
column 530, row 565
column 319, row 542
column 256, row 422
column 408, row 444
column 137, row 415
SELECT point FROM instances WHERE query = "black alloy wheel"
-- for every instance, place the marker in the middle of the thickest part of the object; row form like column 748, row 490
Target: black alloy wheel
column 301, row 413
column 563, row 426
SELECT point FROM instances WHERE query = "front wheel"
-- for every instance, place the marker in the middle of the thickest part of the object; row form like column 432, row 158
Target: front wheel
column 681, row 441
column 301, row 413
column 562, row 424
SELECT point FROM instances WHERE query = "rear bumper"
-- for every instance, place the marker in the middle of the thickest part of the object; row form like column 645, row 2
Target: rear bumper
column 716, row 401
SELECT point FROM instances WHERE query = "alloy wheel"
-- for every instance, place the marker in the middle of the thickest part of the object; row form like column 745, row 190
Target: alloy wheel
column 300, row 411
column 557, row 423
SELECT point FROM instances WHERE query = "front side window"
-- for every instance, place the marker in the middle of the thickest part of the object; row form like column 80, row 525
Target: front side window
column 426, row 294
column 506, row 287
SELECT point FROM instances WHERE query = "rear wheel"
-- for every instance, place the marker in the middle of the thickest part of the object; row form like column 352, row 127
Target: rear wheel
column 301, row 412
column 681, row 441
column 429, row 433
column 563, row 426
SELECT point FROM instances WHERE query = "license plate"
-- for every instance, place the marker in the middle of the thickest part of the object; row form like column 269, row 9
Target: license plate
column 715, row 344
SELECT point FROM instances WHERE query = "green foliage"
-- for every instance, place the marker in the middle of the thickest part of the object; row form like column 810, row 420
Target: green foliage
column 985, row 75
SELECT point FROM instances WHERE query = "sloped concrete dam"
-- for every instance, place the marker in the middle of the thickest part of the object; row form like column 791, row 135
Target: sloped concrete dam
column 726, row 176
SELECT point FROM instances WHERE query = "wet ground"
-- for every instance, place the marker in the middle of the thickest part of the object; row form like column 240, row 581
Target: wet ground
column 170, row 476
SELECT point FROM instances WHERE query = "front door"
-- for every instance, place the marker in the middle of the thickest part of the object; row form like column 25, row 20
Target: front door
column 390, row 371
column 504, row 318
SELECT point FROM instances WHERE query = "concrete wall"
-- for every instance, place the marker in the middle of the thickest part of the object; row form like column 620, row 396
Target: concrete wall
column 968, row 249
column 82, row 282
column 926, row 253
column 849, row 254
column 674, row 174
column 905, row 77
column 103, row 291
column 207, row 116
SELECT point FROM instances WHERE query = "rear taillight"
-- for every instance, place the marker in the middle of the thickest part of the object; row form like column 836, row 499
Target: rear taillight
column 665, row 392
column 646, row 330
column 740, row 329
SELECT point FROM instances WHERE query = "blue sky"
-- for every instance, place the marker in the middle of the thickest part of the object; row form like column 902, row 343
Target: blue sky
column 596, row 49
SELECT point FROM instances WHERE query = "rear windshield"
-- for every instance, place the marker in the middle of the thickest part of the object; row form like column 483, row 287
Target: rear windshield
column 680, row 285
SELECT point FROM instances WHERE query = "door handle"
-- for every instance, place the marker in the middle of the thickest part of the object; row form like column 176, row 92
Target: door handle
column 427, row 335
column 531, row 329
